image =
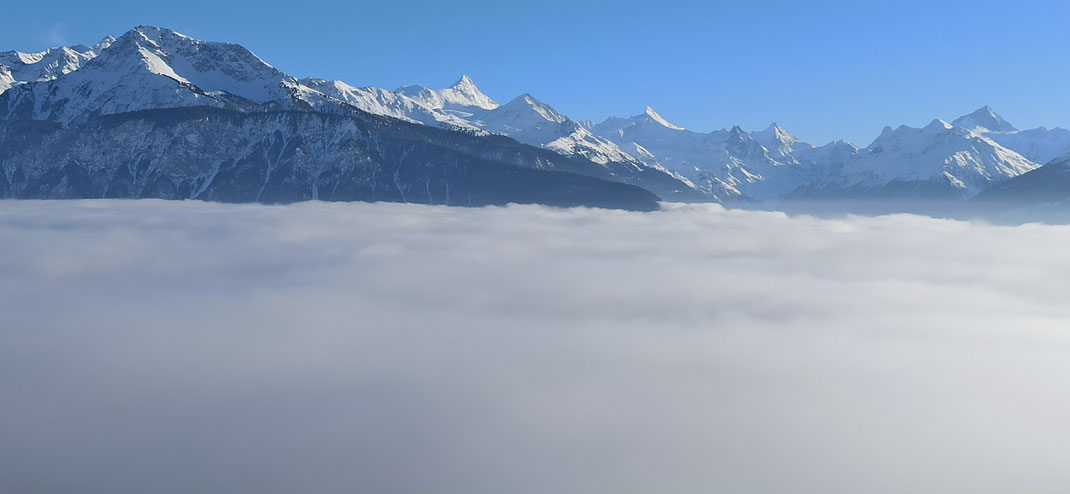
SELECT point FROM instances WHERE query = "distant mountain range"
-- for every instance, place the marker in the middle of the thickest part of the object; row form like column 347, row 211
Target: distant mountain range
column 154, row 113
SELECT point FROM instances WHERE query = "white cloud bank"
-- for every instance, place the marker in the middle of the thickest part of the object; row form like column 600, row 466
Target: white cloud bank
column 186, row 347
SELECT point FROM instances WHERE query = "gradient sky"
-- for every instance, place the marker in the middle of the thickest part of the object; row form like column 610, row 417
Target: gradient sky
column 824, row 70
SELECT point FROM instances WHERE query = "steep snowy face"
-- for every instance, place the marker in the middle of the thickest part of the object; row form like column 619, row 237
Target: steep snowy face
column 523, row 113
column 6, row 78
column 130, row 75
column 464, row 106
column 454, row 106
column 152, row 68
column 463, row 95
column 780, row 144
column 748, row 167
column 1039, row 145
column 531, row 121
column 18, row 67
column 210, row 66
column 939, row 154
column 654, row 117
column 829, row 158
column 653, row 139
column 984, row 118
column 383, row 102
column 726, row 164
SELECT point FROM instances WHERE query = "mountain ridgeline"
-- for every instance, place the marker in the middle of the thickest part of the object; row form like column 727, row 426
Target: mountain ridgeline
column 154, row 113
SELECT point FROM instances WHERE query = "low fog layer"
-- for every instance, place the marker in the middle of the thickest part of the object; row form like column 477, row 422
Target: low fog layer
column 188, row 347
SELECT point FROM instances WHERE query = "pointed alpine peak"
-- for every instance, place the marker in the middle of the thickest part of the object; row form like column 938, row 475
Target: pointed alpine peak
column 526, row 103
column 984, row 118
column 464, row 82
column 653, row 115
column 774, row 132
column 525, row 99
column 104, row 43
column 937, row 125
column 464, row 92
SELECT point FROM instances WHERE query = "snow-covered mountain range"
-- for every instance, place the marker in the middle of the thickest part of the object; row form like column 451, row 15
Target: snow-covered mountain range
column 151, row 68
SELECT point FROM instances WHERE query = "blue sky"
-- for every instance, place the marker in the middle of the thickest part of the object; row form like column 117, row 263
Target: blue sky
column 823, row 70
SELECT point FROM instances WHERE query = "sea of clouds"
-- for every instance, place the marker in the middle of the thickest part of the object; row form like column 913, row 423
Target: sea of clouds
column 188, row 347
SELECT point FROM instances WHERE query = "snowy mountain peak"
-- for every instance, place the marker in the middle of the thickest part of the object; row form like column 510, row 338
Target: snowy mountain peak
column 653, row 115
column 780, row 143
column 938, row 158
column 6, row 79
column 774, row 133
column 984, row 118
column 414, row 91
column 526, row 104
column 462, row 95
column 104, row 43
column 937, row 125
column 775, row 127
column 150, row 67
column 464, row 92
column 417, row 92
column 46, row 65
column 156, row 33
column 465, row 82
column 209, row 65
column 843, row 143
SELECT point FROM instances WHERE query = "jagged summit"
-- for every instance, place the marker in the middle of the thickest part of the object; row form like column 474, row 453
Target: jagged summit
column 152, row 67
column 104, row 43
column 774, row 133
column 984, row 118
column 464, row 92
column 22, row 67
column 464, row 82
column 775, row 127
column 940, row 160
column 461, row 95
column 780, row 143
column 653, row 115
column 6, row 79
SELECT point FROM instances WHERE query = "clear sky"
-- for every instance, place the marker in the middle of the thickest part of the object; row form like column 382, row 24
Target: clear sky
column 823, row 70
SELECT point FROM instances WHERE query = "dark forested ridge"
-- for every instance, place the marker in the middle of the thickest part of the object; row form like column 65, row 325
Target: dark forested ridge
column 286, row 156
